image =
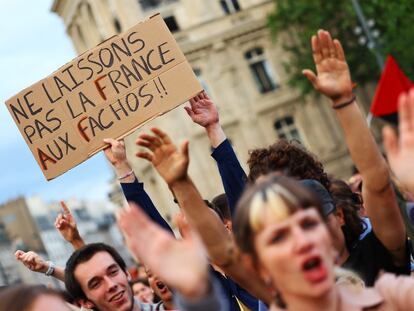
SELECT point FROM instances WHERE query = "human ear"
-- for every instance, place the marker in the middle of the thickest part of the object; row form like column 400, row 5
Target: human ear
column 340, row 216
column 228, row 224
column 85, row 303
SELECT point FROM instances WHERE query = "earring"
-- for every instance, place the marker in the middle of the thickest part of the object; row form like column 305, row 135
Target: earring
column 268, row 282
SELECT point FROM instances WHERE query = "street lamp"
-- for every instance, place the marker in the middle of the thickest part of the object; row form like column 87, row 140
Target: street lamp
column 370, row 34
column 369, row 38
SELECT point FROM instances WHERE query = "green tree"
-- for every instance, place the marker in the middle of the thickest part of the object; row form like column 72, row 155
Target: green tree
column 293, row 22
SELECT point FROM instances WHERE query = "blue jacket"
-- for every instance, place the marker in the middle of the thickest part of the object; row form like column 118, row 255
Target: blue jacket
column 231, row 173
column 134, row 192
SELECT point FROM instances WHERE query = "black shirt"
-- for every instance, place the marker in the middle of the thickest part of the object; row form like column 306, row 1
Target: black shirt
column 369, row 256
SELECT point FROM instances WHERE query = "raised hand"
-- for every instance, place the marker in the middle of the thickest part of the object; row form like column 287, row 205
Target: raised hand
column 400, row 152
column 65, row 223
column 180, row 264
column 171, row 163
column 116, row 155
column 332, row 76
column 115, row 152
column 32, row 261
column 202, row 110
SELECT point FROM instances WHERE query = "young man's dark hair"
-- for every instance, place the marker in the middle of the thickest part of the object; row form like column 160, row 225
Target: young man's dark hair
column 350, row 203
column 221, row 203
column 82, row 255
column 215, row 209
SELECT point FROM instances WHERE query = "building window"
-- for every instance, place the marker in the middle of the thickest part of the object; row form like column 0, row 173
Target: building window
column 117, row 25
column 171, row 23
column 230, row 6
column 260, row 70
column 286, row 129
column 152, row 4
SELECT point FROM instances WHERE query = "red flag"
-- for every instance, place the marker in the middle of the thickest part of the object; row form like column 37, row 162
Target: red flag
column 392, row 83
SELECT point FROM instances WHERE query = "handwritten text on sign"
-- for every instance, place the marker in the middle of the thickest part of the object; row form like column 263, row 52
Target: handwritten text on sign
column 107, row 91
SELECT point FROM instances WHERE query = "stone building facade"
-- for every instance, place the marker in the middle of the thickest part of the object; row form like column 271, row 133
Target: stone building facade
column 20, row 225
column 229, row 46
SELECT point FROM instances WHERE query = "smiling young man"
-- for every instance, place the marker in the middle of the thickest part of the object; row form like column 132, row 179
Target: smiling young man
column 96, row 277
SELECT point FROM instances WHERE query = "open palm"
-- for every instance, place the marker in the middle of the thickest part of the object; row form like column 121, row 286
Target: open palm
column 180, row 264
column 171, row 163
column 202, row 110
column 333, row 78
column 400, row 152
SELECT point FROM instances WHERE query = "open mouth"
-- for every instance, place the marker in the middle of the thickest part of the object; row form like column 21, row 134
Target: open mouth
column 160, row 285
column 118, row 297
column 314, row 270
column 311, row 263
column 163, row 289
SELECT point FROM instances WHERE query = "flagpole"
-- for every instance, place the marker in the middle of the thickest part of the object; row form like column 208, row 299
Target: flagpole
column 369, row 119
column 372, row 44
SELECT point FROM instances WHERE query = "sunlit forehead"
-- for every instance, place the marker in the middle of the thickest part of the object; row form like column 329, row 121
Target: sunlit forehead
column 269, row 204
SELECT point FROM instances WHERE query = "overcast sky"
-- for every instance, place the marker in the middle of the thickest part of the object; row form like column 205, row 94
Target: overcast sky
column 33, row 43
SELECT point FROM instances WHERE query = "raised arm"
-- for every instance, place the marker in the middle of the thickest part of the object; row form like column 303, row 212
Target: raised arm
column 204, row 113
column 397, row 291
column 66, row 225
column 180, row 264
column 131, row 187
column 172, row 165
column 400, row 151
column 334, row 81
column 36, row 263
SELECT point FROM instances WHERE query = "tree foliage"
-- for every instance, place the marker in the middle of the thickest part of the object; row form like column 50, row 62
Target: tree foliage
column 294, row 22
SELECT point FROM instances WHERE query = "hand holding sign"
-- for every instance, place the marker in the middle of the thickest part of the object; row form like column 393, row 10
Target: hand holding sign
column 115, row 152
column 116, row 155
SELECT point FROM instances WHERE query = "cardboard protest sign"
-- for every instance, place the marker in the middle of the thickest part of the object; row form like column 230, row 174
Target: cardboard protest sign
column 108, row 91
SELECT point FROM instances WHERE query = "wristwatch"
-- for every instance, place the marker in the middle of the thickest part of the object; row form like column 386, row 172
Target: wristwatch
column 50, row 269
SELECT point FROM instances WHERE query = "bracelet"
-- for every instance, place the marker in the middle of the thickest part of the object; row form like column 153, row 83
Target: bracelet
column 50, row 269
column 126, row 175
column 347, row 103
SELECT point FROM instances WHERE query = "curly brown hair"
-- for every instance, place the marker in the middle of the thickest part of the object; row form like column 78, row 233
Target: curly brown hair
column 290, row 158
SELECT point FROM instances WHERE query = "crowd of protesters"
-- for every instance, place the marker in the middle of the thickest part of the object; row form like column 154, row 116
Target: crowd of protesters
column 284, row 236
